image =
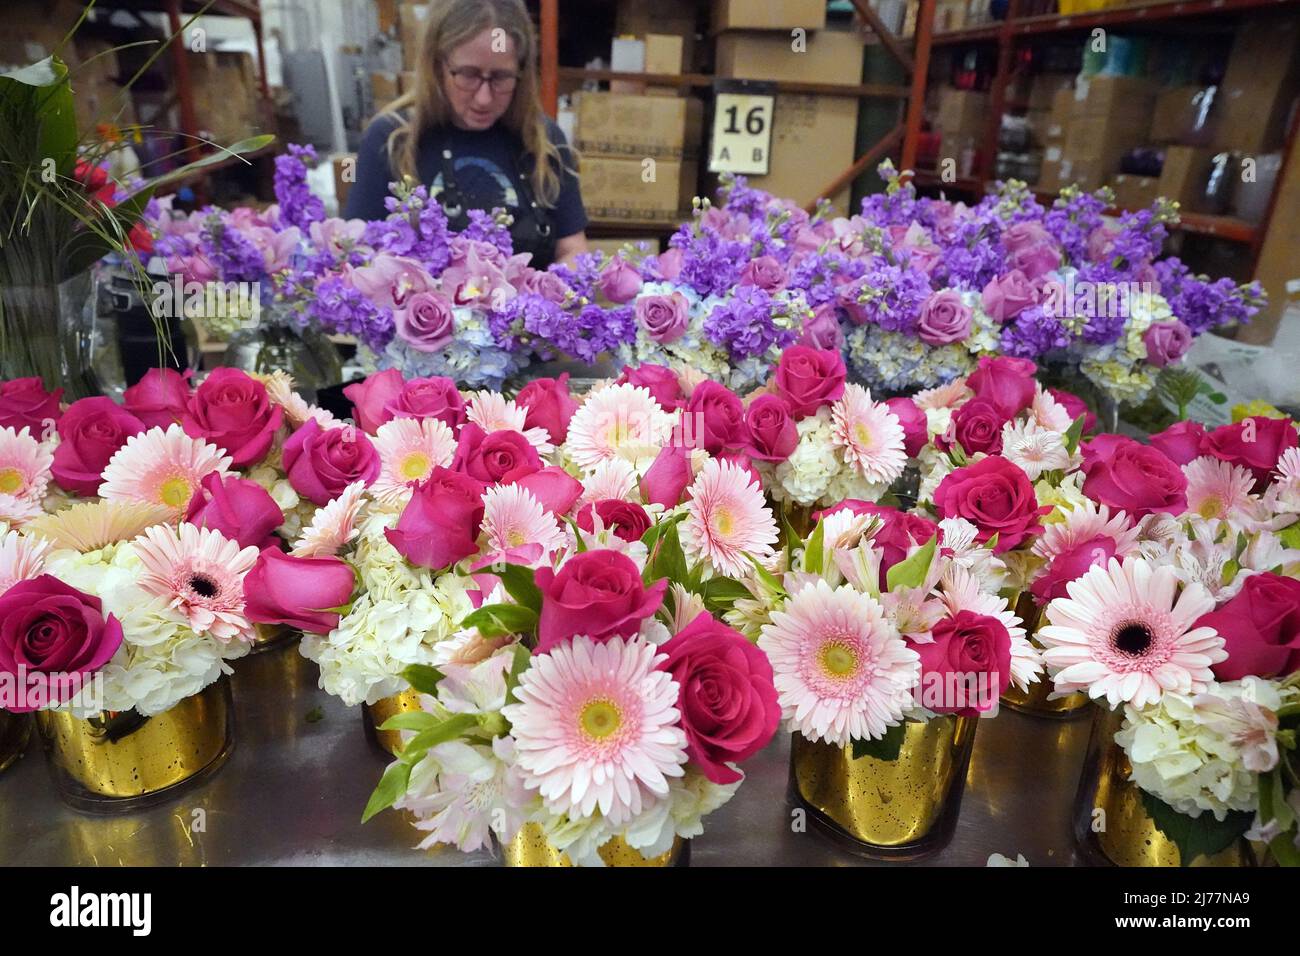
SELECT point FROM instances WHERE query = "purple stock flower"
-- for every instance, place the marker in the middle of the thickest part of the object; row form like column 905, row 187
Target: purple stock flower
column 744, row 325
column 298, row 205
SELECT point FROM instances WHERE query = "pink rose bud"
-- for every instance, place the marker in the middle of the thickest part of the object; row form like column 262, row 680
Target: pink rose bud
column 233, row 411
column 160, row 398
column 427, row 323
column 595, row 593
column 664, row 317
column 238, row 508
column 555, row 488
column 322, row 462
column 370, row 398
column 809, row 378
column 668, row 477
column 619, row 282
column 24, row 403
column 550, row 406
column 297, row 592
column 440, row 524
column 90, row 433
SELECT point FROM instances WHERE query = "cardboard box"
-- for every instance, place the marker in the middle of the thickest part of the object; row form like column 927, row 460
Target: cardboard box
column 663, row 53
column 768, row 14
column 96, row 93
column 225, row 95
column 962, row 114
column 1182, row 115
column 1046, row 87
column 1278, row 267
column 1103, row 137
column 411, row 18
column 1061, row 171
column 663, row 17
column 383, row 88
column 1259, row 85
column 1135, row 192
column 386, row 11
column 615, row 124
column 1131, row 98
column 627, row 55
column 1184, row 174
column 831, row 56
column 813, row 139
column 653, row 53
column 615, row 188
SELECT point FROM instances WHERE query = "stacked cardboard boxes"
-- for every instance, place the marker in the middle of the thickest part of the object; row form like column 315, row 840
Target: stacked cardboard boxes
column 1104, row 118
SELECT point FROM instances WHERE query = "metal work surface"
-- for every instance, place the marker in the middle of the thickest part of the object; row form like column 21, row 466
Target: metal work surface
column 294, row 788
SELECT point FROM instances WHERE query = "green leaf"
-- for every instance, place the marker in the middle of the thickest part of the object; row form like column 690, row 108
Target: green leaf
column 770, row 581
column 721, row 593
column 813, row 554
column 1284, row 849
column 577, row 536
column 520, row 585
column 499, row 620
column 1073, row 434
column 416, row 720
column 668, row 560
column 423, row 678
column 449, row 729
column 911, row 572
column 958, row 455
column 390, row 789
column 1281, row 810
column 314, row 716
column 886, row 748
column 517, row 667
column 992, row 542
column 1198, row 836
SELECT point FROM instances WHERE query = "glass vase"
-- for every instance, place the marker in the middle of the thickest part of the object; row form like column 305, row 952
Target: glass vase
column 15, row 730
column 530, row 848
column 278, row 345
column 48, row 331
column 117, row 762
column 1038, row 700
column 901, row 809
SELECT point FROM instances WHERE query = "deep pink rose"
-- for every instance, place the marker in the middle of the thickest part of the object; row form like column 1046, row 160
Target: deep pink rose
column 619, row 282
column 234, row 412
column 370, row 398
column 47, row 627
column 809, row 378
column 1260, row 628
column 1166, row 342
column 977, row 427
column 1074, row 407
column 916, row 429
column 90, row 433
column 427, row 323
column 664, row 317
column 555, row 488
column 1070, row 566
column 900, row 533
column 766, row 272
column 598, row 594
column 499, row 457
column 1006, row 296
column 1129, row 476
column 321, row 462
column 297, row 592
column 727, row 698
column 440, row 524
column 772, row 432
column 1006, row 382
column 715, row 418
column 627, row 519
column 435, row 397
column 944, row 319
column 24, row 403
column 662, row 384
column 238, row 508
column 669, row 263
column 823, row 331
column 1181, row 442
column 967, row 665
column 1255, row 443
column 160, row 398
column 550, row 405
column 995, row 496
column 666, row 480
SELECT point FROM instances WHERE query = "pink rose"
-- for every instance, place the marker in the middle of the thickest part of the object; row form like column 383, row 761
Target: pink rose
column 499, row 457
column 1008, row 295
column 1167, row 342
column 440, row 524
column 550, row 406
column 995, row 496
column 1260, row 628
column 297, row 592
column 1031, row 249
column 595, row 593
column 772, row 432
column 1025, row 235
column 662, row 384
column 971, row 655
column 435, row 397
column 238, row 508
column 664, row 317
column 627, row 519
column 370, row 398
column 1007, row 383
column 321, row 462
column 916, row 429
column 1071, row 565
column 669, row 263
column 822, row 331
column 716, row 417
column 765, row 272
column 1255, row 443
column 51, row 629
column 977, row 427
column 667, row 478
column 427, row 323
column 1074, row 407
column 619, row 282
column 809, row 378
column 90, row 433
column 160, row 398
column 545, row 284
column 1181, row 442
column 24, row 403
column 554, row 487
column 944, row 319
column 727, row 697
column 234, row 412
column 1132, row 477
column 901, row 532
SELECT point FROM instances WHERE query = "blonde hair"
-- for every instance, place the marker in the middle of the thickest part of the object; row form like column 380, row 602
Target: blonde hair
column 450, row 24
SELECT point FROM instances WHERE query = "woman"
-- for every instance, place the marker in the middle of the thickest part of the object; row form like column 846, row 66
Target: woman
column 473, row 131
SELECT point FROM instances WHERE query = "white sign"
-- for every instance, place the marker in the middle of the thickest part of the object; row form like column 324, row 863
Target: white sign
column 742, row 133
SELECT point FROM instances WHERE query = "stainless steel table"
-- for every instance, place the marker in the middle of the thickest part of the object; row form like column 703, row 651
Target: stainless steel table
column 293, row 791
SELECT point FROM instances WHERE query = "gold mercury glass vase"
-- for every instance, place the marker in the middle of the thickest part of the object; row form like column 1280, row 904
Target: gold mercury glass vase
column 530, row 848
column 118, row 762
column 269, row 637
column 1111, row 824
column 1036, row 701
column 901, row 809
column 15, row 729
column 377, row 713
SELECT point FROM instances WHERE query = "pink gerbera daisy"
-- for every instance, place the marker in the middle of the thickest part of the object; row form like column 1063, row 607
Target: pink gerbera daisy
column 493, row 412
column 21, row 558
column 517, row 529
column 944, row 396
column 201, row 572
column 1050, row 414
column 24, row 475
column 162, row 467
column 597, row 728
column 612, row 479
column 1217, row 489
column 842, row 673
column 409, row 449
column 333, row 525
column 869, row 435
column 297, row 410
column 1126, row 634
column 618, row 421
column 727, row 518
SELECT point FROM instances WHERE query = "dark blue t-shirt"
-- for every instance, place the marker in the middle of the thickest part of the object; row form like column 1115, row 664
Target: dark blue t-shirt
column 484, row 164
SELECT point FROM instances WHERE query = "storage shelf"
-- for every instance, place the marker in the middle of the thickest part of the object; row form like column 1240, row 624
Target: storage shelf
column 706, row 80
column 1229, row 228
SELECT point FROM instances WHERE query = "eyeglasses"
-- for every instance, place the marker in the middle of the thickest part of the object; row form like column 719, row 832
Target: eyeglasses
column 468, row 80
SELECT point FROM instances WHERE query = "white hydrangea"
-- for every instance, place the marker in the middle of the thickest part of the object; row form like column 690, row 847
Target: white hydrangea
column 805, row 476
column 847, row 483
